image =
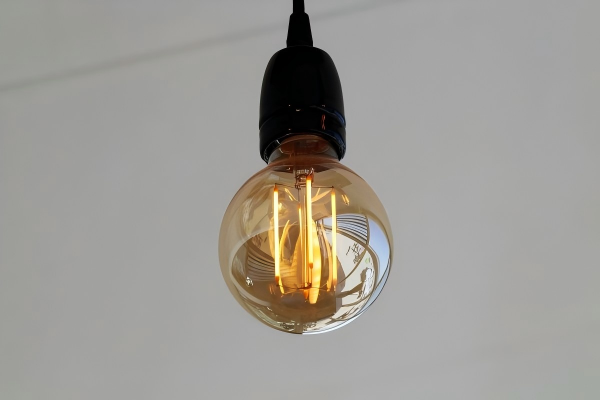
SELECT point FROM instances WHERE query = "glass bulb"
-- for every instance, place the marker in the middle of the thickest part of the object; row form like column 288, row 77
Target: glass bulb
column 305, row 244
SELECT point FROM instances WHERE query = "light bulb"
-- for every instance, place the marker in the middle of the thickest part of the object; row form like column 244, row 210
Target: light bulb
column 305, row 244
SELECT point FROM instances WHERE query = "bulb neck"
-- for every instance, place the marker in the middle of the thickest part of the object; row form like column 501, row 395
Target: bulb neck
column 305, row 146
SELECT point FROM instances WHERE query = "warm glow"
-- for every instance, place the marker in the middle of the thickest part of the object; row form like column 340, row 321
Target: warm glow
column 303, row 270
column 304, row 274
column 276, row 234
column 284, row 236
column 316, row 268
column 333, row 263
column 296, row 210
column 309, row 220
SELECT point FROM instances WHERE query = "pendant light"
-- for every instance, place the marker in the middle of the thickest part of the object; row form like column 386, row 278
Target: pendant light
column 305, row 245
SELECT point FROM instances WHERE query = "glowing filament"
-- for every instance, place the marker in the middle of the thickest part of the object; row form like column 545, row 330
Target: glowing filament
column 304, row 274
column 333, row 240
column 276, row 233
column 316, row 267
column 309, row 225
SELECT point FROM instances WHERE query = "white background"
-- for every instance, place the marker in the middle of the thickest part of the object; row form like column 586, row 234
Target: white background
column 127, row 126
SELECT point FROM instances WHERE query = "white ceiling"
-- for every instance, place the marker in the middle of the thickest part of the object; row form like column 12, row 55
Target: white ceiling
column 127, row 126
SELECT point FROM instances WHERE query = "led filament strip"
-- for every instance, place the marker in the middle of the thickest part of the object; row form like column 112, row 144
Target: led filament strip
column 309, row 257
column 276, row 234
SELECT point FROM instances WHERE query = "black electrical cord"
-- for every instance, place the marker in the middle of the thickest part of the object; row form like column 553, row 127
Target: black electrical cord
column 298, row 6
column 299, row 33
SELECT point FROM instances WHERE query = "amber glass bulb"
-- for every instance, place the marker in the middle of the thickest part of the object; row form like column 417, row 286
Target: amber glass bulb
column 305, row 244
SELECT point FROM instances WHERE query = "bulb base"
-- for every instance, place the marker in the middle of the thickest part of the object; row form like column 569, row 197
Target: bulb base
column 301, row 93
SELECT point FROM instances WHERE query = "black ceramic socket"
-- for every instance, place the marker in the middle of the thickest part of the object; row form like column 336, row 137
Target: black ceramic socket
column 301, row 93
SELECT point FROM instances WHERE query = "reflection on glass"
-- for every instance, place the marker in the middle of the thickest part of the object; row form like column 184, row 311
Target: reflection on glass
column 305, row 245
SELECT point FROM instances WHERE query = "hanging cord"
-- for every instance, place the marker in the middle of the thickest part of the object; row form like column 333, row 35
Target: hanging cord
column 299, row 33
column 298, row 6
